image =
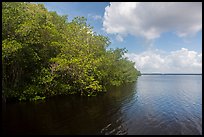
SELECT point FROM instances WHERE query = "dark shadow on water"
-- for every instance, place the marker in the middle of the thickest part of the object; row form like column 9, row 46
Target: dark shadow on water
column 70, row 114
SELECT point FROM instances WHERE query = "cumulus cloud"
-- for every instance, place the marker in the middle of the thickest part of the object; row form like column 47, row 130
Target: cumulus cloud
column 151, row 19
column 180, row 61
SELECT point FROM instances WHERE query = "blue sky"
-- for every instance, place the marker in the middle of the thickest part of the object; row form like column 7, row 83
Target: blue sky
column 158, row 37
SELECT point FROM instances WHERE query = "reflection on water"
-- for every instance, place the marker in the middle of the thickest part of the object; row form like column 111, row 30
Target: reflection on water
column 162, row 104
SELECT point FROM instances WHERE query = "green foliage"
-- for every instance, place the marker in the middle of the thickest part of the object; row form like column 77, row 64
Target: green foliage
column 45, row 55
column 9, row 47
column 31, row 93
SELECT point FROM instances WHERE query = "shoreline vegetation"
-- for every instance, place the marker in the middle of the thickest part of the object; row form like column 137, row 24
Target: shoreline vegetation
column 44, row 55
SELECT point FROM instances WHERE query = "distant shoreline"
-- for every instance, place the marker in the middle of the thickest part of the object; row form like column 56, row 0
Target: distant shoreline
column 170, row 74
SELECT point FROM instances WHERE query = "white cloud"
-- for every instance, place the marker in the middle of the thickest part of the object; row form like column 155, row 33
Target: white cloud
column 180, row 61
column 119, row 38
column 95, row 17
column 151, row 19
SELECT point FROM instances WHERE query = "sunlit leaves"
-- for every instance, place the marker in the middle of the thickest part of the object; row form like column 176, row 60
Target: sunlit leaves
column 9, row 47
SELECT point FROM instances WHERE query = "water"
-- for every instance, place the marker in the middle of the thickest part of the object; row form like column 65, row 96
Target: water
column 155, row 104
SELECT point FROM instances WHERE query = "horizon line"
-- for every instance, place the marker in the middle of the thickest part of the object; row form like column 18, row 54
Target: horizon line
column 158, row 73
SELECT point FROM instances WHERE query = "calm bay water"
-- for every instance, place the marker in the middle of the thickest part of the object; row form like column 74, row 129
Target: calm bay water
column 155, row 104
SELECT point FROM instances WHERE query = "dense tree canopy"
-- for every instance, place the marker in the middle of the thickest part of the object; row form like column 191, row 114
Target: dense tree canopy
column 44, row 54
